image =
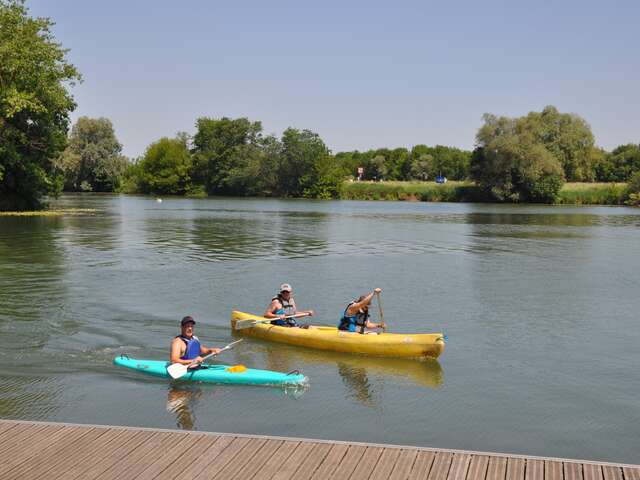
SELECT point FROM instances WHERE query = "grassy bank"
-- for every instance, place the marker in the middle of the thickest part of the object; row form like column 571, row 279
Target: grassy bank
column 593, row 194
column 570, row 194
column 412, row 191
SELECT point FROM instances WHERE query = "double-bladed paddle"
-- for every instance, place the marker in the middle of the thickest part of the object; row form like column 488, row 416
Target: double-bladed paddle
column 177, row 370
column 248, row 323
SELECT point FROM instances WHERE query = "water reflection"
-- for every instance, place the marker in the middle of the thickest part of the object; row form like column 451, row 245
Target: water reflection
column 223, row 238
column 363, row 376
column 181, row 401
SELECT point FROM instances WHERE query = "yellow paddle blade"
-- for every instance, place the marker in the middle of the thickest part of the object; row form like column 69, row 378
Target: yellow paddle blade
column 237, row 369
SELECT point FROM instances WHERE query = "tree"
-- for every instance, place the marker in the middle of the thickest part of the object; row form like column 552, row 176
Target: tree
column 34, row 106
column 303, row 163
column 421, row 167
column 511, row 164
column 166, row 167
column 218, row 147
column 567, row 137
column 93, row 157
column 620, row 164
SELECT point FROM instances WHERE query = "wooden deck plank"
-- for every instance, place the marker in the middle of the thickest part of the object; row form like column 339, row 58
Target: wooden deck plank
column 257, row 460
column 242, row 457
column 552, row 470
column 497, row 468
column 20, row 433
column 441, row 465
column 291, row 465
column 5, row 427
column 386, row 464
column 478, row 467
column 515, row 468
column 275, row 460
column 592, row 472
column 611, row 473
column 572, row 471
column 142, row 457
column 403, row 465
column 367, row 463
column 459, row 467
column 631, row 473
column 187, row 458
column 133, row 456
column 330, row 462
column 52, row 451
column 217, row 463
column 120, row 436
column 422, row 465
column 130, row 440
column 534, row 470
column 312, row 461
column 61, row 464
column 37, row 450
column 349, row 462
column 22, row 451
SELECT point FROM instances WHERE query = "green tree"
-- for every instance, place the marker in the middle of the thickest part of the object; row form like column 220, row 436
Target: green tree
column 567, row 137
column 93, row 157
column 34, row 106
column 304, row 163
column 378, row 167
column 620, row 164
column 421, row 167
column 166, row 167
column 511, row 164
column 219, row 148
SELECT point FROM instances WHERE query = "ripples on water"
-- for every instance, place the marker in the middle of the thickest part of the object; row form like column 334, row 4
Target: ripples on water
column 540, row 305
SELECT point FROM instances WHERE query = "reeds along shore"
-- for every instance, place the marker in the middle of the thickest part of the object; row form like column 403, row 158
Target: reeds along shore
column 570, row 194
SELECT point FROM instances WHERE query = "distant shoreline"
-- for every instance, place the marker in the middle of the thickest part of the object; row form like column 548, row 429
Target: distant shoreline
column 467, row 192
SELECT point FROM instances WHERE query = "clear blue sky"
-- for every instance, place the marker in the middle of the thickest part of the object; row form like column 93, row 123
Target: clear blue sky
column 361, row 74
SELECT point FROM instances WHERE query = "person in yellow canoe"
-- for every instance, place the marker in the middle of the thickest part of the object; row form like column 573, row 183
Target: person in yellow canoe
column 356, row 316
column 186, row 348
column 282, row 306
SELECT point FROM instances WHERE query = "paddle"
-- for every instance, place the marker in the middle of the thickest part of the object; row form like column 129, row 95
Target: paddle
column 384, row 328
column 177, row 370
column 248, row 323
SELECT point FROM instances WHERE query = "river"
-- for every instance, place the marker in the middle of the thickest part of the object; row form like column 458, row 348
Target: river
column 539, row 303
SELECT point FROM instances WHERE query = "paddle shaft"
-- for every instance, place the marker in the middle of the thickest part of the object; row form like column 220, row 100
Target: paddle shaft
column 381, row 314
column 215, row 353
column 242, row 324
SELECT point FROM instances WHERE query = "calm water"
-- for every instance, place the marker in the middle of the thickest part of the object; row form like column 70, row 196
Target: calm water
column 540, row 305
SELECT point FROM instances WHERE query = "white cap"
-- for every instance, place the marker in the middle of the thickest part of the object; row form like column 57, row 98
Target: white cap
column 285, row 287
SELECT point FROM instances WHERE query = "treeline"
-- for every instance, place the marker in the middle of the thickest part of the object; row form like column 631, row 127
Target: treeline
column 233, row 157
column 525, row 159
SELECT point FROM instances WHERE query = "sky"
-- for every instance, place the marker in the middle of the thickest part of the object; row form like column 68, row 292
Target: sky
column 362, row 75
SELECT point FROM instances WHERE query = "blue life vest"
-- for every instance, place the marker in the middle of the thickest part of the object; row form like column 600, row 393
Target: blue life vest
column 352, row 322
column 193, row 347
column 286, row 309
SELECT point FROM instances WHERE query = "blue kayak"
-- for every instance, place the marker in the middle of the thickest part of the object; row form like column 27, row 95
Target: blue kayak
column 223, row 374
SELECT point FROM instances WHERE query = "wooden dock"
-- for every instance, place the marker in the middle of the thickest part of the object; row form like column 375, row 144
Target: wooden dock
column 40, row 450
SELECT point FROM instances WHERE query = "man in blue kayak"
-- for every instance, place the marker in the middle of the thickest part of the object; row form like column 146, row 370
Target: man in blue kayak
column 283, row 307
column 186, row 348
column 356, row 316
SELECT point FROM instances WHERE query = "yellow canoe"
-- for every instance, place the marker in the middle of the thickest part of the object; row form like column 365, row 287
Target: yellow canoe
column 404, row 345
